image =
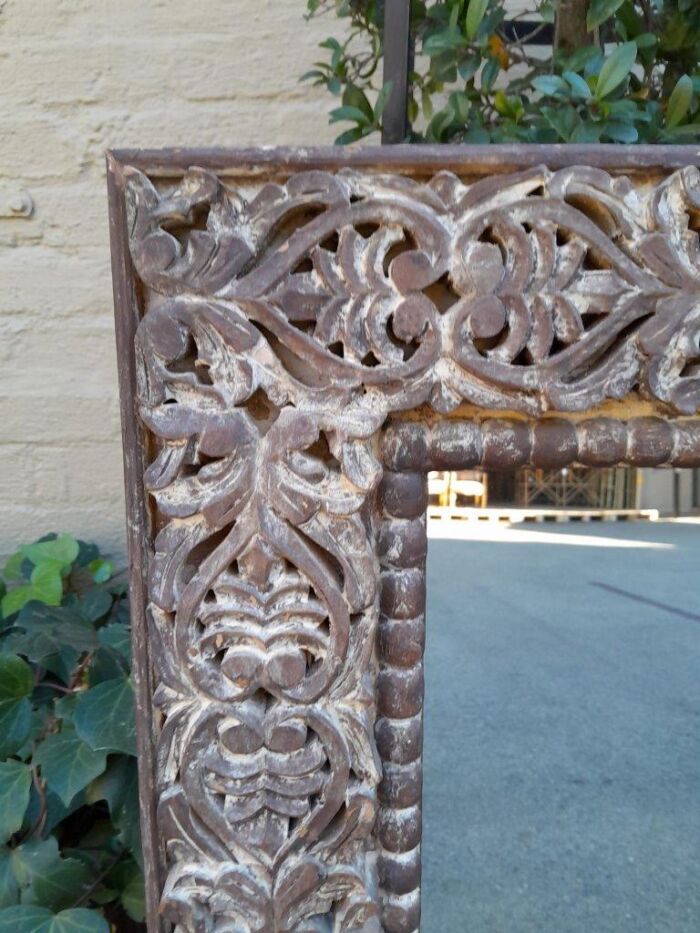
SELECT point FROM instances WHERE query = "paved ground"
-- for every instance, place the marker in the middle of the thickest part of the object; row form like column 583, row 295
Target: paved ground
column 562, row 787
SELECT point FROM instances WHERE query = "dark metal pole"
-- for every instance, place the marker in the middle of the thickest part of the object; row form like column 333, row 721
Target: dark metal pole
column 397, row 58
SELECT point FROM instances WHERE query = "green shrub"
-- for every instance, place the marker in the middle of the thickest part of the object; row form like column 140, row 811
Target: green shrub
column 631, row 75
column 69, row 838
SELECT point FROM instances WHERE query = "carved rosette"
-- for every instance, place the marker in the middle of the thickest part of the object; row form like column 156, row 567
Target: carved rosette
column 280, row 329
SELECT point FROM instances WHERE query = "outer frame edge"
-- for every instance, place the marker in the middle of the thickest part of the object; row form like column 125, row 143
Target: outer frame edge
column 126, row 315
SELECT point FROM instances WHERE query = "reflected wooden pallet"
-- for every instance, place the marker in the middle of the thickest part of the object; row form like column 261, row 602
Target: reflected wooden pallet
column 515, row 515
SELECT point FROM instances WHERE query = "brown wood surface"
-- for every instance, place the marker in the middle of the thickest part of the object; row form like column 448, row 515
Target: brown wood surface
column 299, row 333
column 139, row 532
column 409, row 159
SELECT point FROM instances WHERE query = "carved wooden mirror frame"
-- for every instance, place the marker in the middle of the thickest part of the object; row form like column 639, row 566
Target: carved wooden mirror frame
column 302, row 335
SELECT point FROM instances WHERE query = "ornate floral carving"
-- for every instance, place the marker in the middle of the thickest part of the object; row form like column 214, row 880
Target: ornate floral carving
column 280, row 330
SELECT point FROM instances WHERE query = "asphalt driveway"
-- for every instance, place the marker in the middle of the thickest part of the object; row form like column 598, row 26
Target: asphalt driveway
column 562, row 745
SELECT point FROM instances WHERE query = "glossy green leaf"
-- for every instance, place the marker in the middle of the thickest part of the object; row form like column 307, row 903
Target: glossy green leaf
column 104, row 717
column 353, row 114
column 551, row 85
column 9, row 889
column 15, row 781
column 132, row 894
column 382, row 100
column 63, row 549
column 16, row 678
column 33, row 857
column 579, row 86
column 47, row 582
column 354, row 96
column 15, row 599
column 68, row 763
column 101, row 570
column 615, row 69
column 29, row 918
column 475, row 14
column 46, row 878
column 60, row 884
column 95, row 604
column 686, row 133
column 619, row 132
column 600, row 10
column 582, row 58
column 119, row 787
column 13, row 566
column 350, row 136
column 679, row 101
column 47, row 629
column 564, row 121
column 489, row 74
column 440, row 42
column 15, row 725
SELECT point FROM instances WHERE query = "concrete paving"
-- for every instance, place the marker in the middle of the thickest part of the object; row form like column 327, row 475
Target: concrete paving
column 562, row 744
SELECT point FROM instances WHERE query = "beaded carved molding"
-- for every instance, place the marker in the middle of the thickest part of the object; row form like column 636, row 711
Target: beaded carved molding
column 270, row 322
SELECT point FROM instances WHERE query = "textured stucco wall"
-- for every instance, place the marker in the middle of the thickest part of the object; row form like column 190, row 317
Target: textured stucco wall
column 77, row 77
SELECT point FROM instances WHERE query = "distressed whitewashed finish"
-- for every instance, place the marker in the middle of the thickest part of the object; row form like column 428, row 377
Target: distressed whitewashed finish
column 281, row 327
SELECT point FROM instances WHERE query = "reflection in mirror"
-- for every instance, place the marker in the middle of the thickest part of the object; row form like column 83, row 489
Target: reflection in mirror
column 562, row 749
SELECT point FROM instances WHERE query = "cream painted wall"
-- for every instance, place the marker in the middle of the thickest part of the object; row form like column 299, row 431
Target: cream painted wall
column 77, row 77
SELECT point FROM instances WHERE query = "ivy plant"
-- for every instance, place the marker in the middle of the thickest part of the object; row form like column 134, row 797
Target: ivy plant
column 70, row 856
column 628, row 71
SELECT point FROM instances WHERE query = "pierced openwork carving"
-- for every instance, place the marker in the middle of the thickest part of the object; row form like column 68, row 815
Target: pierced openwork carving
column 282, row 322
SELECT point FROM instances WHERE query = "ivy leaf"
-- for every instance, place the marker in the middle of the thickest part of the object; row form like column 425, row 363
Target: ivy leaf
column 117, row 637
column 32, row 858
column 63, row 549
column 47, row 582
column 16, row 679
column 15, row 599
column 104, row 716
column 15, row 725
column 61, row 884
column 13, row 567
column 101, row 570
column 15, row 781
column 28, row 918
column 48, row 629
column 46, row 878
column 131, row 887
column 107, row 664
column 599, row 11
column 679, row 101
column 119, row 787
column 68, row 764
column 9, row 889
column 475, row 13
column 615, row 69
column 95, row 604
column 88, row 554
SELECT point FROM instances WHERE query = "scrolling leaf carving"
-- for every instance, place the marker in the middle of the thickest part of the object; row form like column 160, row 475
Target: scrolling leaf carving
column 281, row 329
